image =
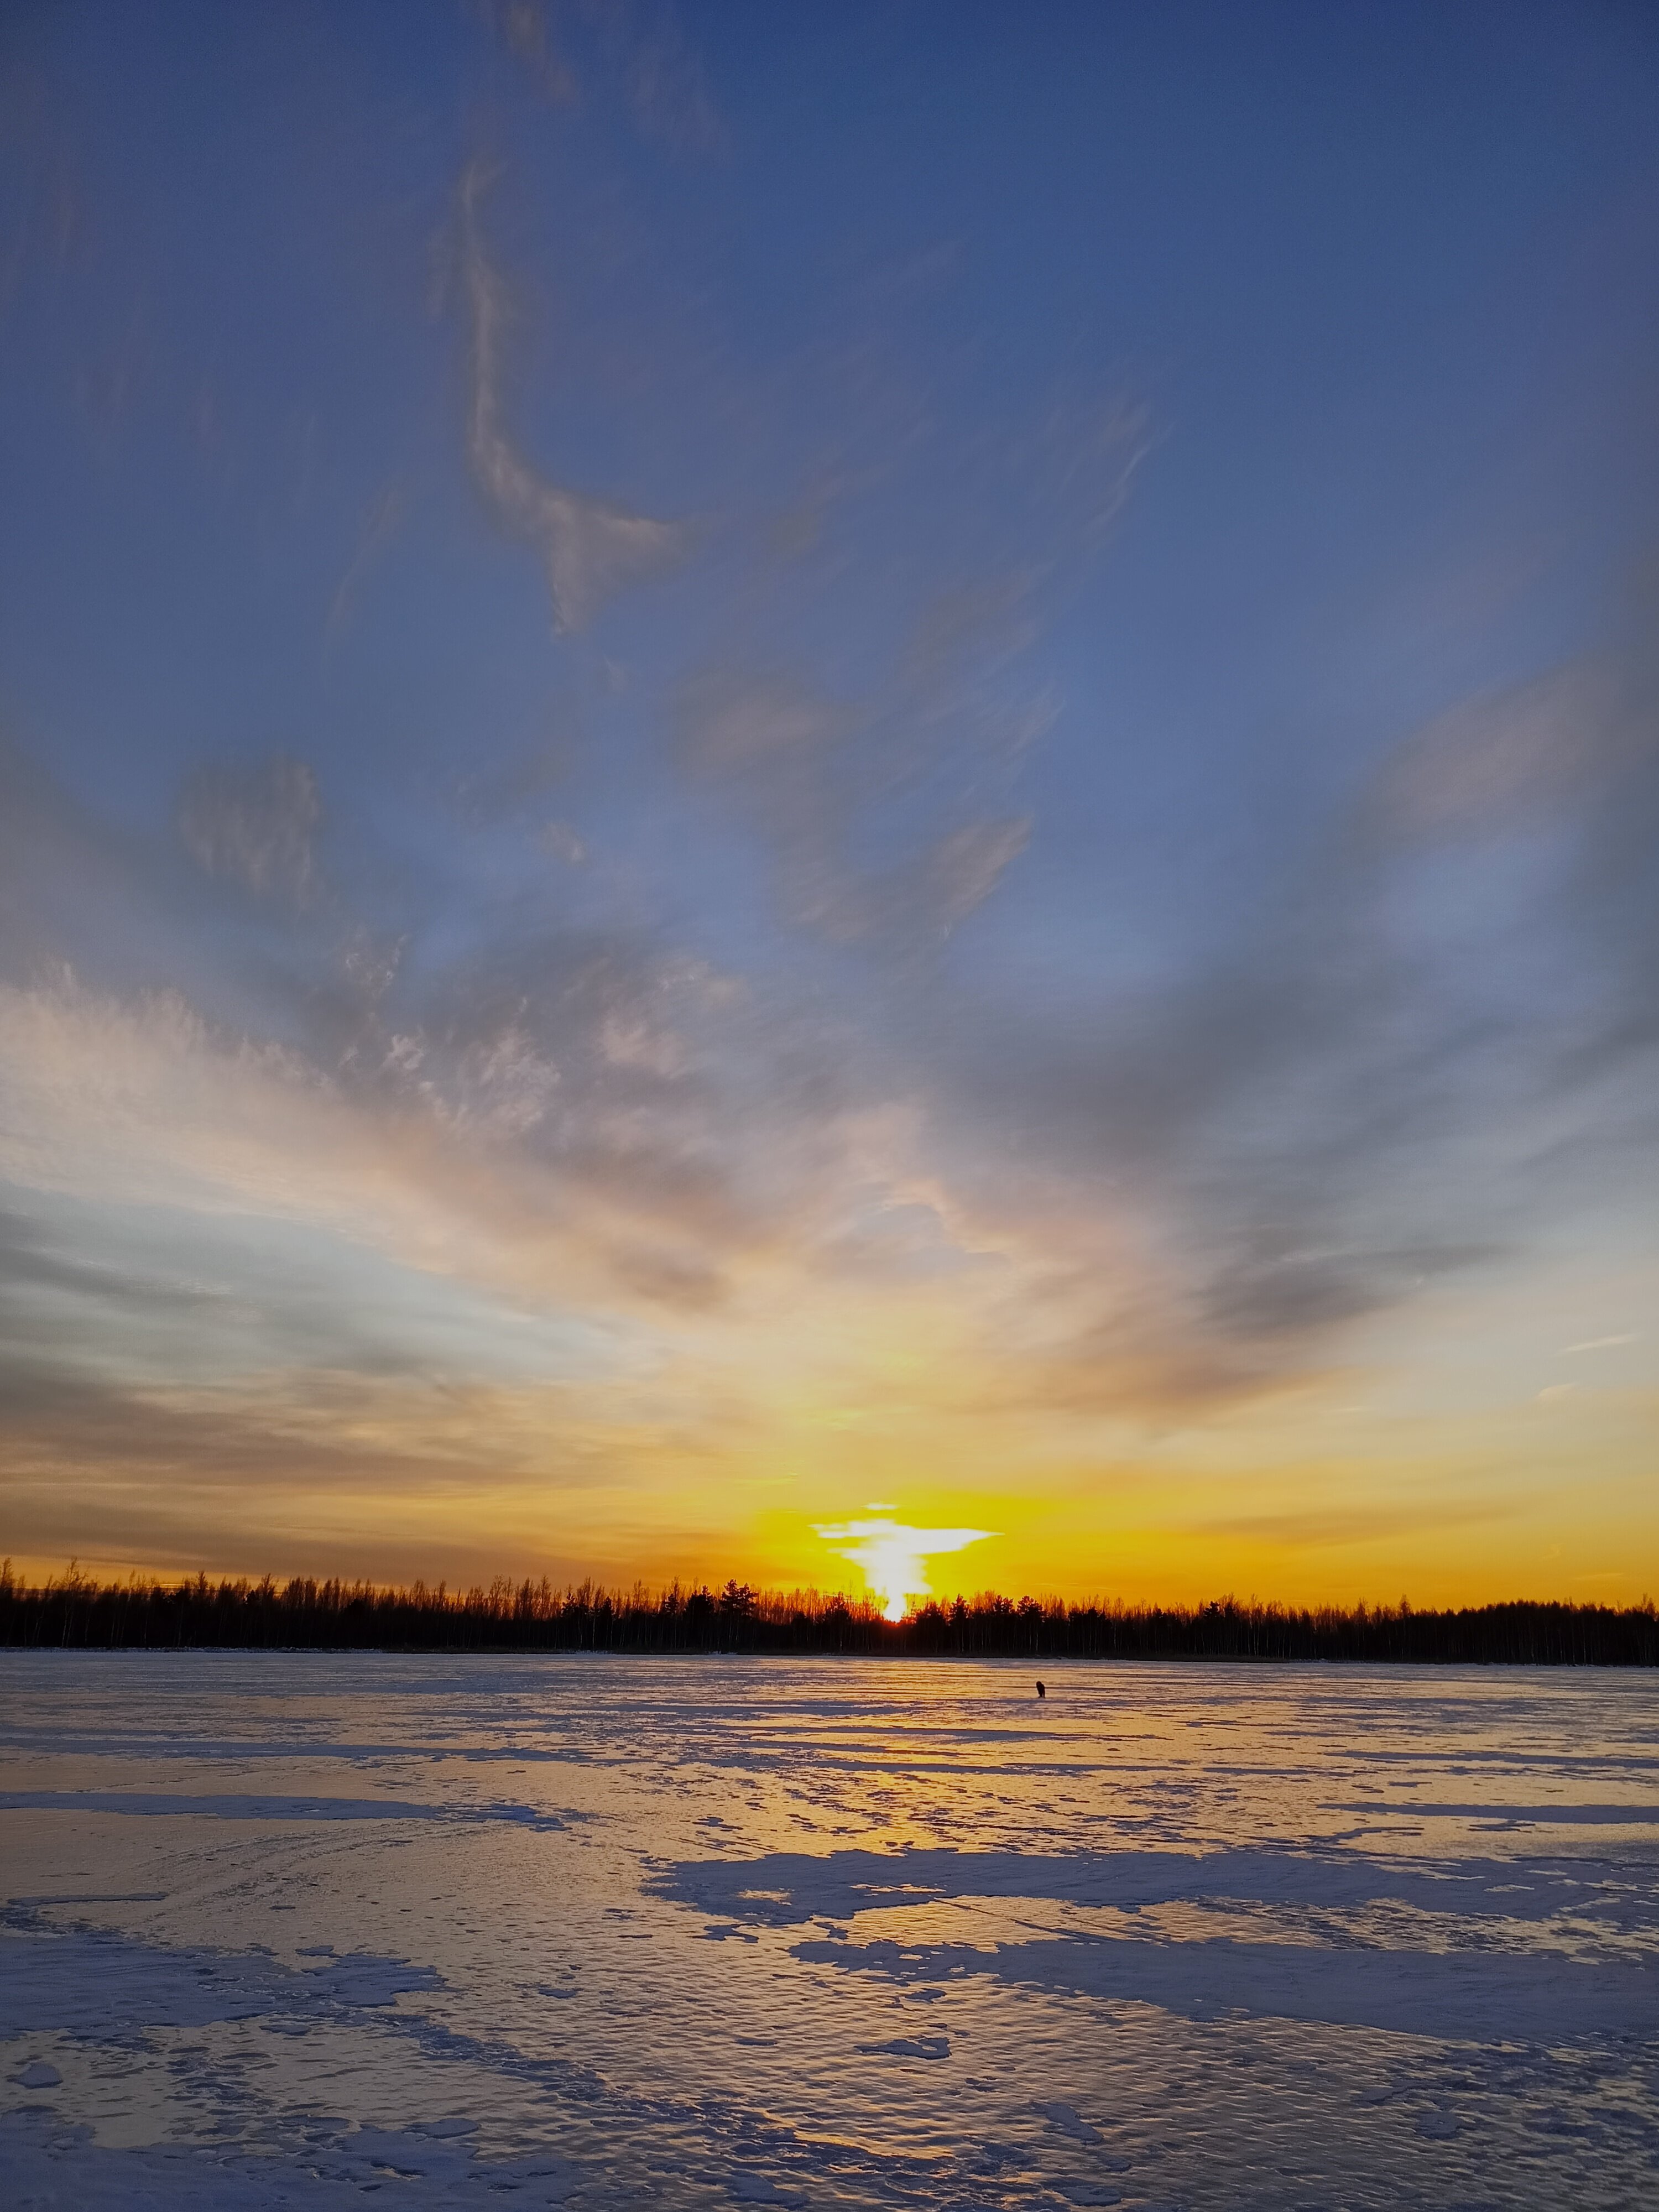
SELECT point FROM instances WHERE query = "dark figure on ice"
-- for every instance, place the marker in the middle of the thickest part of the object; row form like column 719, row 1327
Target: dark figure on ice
column 1041, row 1692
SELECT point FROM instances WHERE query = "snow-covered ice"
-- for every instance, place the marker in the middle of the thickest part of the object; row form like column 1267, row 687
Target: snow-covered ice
column 285, row 1929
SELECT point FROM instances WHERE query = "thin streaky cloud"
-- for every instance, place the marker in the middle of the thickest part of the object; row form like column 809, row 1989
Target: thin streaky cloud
column 590, row 548
column 255, row 826
column 380, row 525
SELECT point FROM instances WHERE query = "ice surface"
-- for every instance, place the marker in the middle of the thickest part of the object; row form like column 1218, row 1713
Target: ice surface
column 755, row 2189
column 786, row 1889
column 1065, row 2118
column 66, row 1980
column 294, row 1929
column 1475, row 1995
column 242, row 1807
column 1559, row 1816
column 48, row 2165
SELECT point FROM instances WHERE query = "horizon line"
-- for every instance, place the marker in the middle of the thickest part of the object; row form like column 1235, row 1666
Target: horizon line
column 592, row 1590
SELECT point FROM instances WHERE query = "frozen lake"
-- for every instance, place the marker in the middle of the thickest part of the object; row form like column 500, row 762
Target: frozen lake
column 283, row 1929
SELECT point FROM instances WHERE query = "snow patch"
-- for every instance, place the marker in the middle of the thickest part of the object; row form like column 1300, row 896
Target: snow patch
column 1485, row 1996
column 90, row 1984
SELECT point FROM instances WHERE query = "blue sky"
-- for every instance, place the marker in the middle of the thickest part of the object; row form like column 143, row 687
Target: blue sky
column 749, row 756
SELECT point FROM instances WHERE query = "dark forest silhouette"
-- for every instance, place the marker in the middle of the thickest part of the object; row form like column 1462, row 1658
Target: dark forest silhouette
column 74, row 1611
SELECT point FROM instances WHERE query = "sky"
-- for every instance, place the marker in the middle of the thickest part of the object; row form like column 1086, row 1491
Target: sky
column 837, row 794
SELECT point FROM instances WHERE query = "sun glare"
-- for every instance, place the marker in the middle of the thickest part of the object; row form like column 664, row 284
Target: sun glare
column 891, row 1554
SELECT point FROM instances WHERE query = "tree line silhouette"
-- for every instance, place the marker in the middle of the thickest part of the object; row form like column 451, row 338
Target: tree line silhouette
column 73, row 1610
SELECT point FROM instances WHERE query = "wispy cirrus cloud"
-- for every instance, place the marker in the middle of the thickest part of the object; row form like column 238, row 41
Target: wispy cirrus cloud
column 527, row 31
column 382, row 521
column 820, row 779
column 1503, row 761
column 667, row 90
column 638, row 51
column 590, row 548
column 255, row 826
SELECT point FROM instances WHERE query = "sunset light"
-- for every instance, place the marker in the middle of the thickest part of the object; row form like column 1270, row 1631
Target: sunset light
column 829, row 1104
column 891, row 1554
column 721, row 797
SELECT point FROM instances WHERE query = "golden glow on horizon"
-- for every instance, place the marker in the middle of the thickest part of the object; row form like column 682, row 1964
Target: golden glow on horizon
column 1489, row 1438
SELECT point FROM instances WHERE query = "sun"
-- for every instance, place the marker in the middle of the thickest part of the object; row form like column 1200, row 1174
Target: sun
column 891, row 1554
